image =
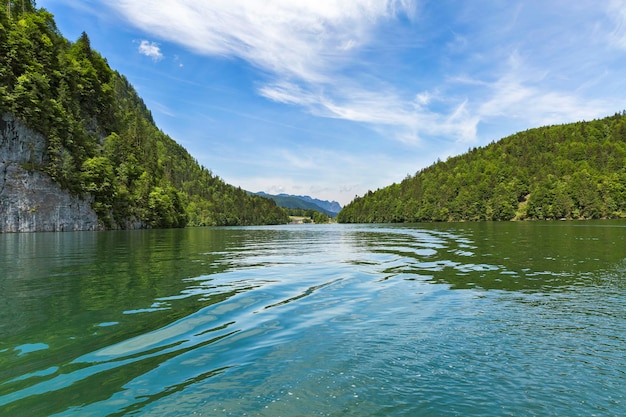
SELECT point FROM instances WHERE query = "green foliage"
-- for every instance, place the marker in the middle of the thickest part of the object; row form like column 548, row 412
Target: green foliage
column 309, row 214
column 102, row 140
column 572, row 171
column 319, row 217
column 300, row 212
column 165, row 208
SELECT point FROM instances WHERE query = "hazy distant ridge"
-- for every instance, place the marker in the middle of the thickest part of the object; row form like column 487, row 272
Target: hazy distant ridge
column 331, row 208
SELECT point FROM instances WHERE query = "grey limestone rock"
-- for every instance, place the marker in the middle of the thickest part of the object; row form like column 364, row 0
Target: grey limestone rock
column 30, row 201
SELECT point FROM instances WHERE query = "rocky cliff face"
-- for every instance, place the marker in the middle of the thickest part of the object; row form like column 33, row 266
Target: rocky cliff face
column 30, row 201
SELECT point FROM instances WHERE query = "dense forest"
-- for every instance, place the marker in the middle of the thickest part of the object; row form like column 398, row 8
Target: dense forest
column 310, row 215
column 571, row 171
column 102, row 140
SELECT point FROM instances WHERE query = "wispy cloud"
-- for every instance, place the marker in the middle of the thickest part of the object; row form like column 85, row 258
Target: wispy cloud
column 407, row 119
column 617, row 12
column 301, row 46
column 299, row 39
column 520, row 93
column 298, row 161
column 319, row 55
column 150, row 49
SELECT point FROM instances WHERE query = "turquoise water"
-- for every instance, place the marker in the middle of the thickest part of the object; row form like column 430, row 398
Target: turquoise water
column 470, row 319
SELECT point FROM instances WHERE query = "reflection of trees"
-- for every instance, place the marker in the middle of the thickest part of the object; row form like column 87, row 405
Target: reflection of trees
column 71, row 291
column 505, row 256
column 57, row 287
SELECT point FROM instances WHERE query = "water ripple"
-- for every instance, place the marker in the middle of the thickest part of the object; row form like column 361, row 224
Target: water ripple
column 465, row 319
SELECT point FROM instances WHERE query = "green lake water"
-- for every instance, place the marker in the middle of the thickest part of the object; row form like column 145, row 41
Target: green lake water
column 467, row 319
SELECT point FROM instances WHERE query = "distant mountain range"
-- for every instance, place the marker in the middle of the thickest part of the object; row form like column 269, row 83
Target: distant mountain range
column 330, row 208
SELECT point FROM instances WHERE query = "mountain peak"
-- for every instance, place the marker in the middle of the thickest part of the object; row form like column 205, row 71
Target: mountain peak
column 331, row 208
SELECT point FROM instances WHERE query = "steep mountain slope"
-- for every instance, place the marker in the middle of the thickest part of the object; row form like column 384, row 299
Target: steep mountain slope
column 571, row 171
column 29, row 200
column 100, row 142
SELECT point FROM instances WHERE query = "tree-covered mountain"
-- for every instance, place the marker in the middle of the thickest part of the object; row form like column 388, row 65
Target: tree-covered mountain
column 329, row 208
column 570, row 171
column 101, row 139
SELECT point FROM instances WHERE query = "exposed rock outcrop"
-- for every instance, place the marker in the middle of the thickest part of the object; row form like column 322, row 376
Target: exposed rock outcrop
column 30, row 201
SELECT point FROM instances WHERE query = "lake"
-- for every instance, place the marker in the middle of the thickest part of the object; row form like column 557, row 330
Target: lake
column 464, row 319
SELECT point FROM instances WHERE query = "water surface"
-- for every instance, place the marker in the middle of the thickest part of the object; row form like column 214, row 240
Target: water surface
column 483, row 319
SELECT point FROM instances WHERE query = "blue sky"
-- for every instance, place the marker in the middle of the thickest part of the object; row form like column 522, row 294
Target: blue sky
column 332, row 98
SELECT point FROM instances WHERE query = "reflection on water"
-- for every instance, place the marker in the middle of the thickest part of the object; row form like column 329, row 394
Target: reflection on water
column 434, row 319
column 506, row 256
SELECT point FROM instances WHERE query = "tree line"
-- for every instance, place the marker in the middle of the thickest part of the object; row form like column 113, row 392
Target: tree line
column 313, row 215
column 570, row 171
column 102, row 139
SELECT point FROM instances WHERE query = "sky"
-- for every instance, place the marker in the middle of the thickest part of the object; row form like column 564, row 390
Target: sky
column 332, row 98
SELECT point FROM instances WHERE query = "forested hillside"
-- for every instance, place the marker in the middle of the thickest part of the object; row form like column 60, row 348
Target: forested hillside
column 102, row 140
column 572, row 171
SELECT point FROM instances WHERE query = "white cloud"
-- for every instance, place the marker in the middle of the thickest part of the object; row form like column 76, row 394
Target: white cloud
column 299, row 39
column 308, row 50
column 301, row 46
column 387, row 111
column 150, row 49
